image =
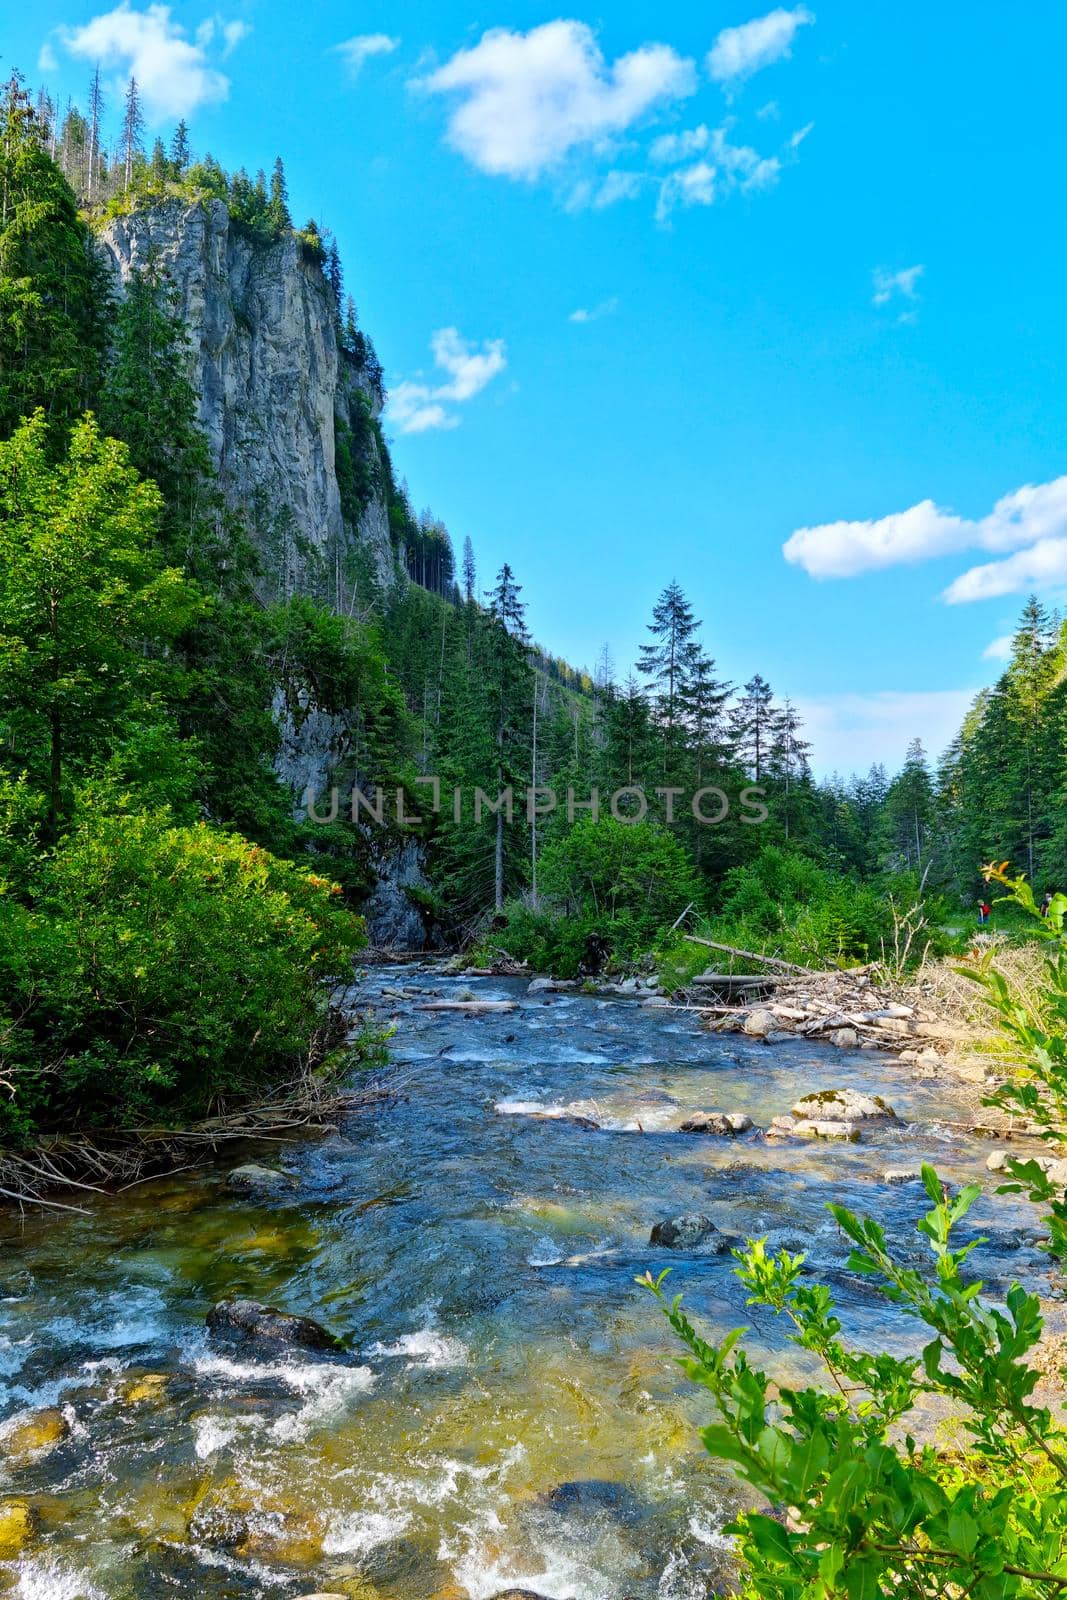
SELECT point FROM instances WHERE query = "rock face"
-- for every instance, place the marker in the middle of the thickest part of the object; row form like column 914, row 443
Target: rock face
column 271, row 380
column 282, row 405
column 247, row 1319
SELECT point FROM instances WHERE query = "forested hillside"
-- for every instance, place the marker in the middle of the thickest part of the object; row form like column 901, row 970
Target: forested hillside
column 153, row 662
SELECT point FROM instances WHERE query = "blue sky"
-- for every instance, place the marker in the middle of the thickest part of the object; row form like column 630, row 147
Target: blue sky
column 708, row 292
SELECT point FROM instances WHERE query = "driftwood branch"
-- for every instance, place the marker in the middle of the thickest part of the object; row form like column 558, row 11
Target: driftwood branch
column 752, row 955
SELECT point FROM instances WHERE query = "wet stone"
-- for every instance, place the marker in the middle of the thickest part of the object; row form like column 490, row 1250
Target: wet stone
column 727, row 1123
column 31, row 1434
column 249, row 1320
column 691, row 1232
column 253, row 1179
column 17, row 1527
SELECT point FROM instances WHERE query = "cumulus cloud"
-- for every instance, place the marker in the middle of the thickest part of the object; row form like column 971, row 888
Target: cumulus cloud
column 739, row 52
column 1031, row 521
column 890, row 286
column 849, row 732
column 419, row 407
column 998, row 649
column 172, row 71
column 689, row 186
column 524, row 101
column 359, row 49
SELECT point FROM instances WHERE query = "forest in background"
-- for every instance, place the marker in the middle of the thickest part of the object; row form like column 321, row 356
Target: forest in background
column 143, row 643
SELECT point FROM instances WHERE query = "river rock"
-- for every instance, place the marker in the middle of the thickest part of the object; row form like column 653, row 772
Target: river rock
column 843, row 1105
column 1055, row 1171
column 151, row 1386
column 720, row 1122
column 17, row 1527
column 248, row 1319
column 253, row 1179
column 845, row 1038
column 758, row 1024
column 692, row 1231
column 31, row 1434
column 826, row 1128
column 895, row 1175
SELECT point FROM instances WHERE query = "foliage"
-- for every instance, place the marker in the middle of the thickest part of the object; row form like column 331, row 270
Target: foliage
column 53, row 300
column 872, row 1510
column 83, row 593
column 158, row 970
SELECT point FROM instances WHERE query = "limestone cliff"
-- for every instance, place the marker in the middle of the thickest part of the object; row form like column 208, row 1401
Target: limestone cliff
column 289, row 417
column 276, row 392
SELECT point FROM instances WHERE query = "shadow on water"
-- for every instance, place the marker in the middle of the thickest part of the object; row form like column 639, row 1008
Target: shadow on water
column 506, row 1412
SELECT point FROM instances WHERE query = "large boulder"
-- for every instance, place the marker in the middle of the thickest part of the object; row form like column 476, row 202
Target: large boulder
column 726, row 1123
column 249, row 1320
column 843, row 1105
column 692, row 1231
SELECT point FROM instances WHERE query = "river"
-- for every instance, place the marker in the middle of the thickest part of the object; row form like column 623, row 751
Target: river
column 508, row 1413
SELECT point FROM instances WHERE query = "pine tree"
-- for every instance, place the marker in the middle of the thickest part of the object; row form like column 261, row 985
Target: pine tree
column 95, row 119
column 132, row 132
column 508, row 678
column 668, row 663
column 180, row 150
column 908, row 812
column 469, row 571
column 335, row 278
column 753, row 726
column 278, row 212
column 53, row 287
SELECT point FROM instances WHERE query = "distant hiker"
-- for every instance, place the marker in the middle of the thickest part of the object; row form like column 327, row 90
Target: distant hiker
column 1046, row 903
column 984, row 913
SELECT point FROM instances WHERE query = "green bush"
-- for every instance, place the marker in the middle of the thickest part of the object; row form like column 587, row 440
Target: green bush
column 862, row 1508
column 158, row 970
column 625, row 882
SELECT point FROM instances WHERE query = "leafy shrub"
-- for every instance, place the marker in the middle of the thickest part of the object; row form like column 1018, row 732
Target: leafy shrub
column 159, row 969
column 871, row 1510
column 626, row 882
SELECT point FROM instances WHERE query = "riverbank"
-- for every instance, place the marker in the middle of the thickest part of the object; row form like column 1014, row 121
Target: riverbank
column 505, row 1412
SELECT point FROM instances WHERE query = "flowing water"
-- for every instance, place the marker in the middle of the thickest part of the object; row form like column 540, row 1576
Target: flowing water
column 507, row 1412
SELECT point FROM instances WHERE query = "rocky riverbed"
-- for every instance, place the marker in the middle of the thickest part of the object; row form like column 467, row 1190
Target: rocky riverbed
column 409, row 1362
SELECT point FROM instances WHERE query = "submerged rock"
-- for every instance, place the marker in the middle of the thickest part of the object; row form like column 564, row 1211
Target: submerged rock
column 248, row 1319
column 845, row 1038
column 693, row 1231
column 31, row 1434
column 152, row 1386
column 17, row 1527
column 895, row 1175
column 253, row 1179
column 843, row 1105
column 721, row 1122
column 758, row 1024
column 826, row 1128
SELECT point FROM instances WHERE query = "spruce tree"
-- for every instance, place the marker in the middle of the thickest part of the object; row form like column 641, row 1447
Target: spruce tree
column 668, row 663
column 180, row 151
column 132, row 132
column 53, row 287
column 278, row 205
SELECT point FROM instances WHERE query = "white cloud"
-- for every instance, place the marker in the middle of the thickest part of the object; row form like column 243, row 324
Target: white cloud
column 849, row 732
column 1031, row 521
column 796, row 139
column 525, row 100
column 418, row 407
column 172, row 72
column 1039, row 567
column 901, row 285
column 998, row 649
column 362, row 46
column 772, row 110
column 47, row 60
column 671, row 147
column 231, row 33
column 689, row 186
column 739, row 52
column 724, row 167
column 594, row 313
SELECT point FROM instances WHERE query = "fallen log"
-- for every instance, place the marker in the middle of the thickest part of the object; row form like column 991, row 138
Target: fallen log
column 753, row 955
